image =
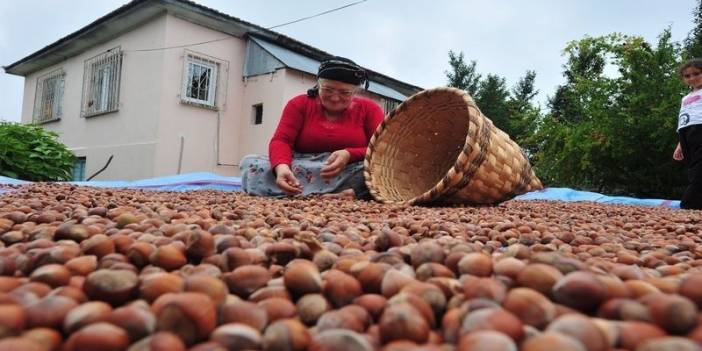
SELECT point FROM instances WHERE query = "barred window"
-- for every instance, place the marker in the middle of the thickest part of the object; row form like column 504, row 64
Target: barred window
column 390, row 105
column 101, row 83
column 48, row 100
column 200, row 80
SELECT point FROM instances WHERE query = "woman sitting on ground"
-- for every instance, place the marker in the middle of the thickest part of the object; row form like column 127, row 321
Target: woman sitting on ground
column 321, row 139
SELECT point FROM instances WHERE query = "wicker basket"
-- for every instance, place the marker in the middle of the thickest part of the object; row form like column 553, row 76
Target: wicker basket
column 437, row 147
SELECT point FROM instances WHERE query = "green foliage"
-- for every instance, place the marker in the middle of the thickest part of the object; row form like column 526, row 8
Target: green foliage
column 611, row 127
column 462, row 75
column 33, row 153
column 693, row 42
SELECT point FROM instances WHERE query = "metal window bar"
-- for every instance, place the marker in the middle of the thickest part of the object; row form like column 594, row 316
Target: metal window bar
column 200, row 81
column 101, row 83
column 48, row 100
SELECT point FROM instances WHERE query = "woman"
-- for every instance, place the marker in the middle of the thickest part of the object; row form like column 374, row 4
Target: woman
column 321, row 139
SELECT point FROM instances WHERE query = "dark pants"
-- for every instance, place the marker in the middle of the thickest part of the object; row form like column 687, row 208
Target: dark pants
column 691, row 144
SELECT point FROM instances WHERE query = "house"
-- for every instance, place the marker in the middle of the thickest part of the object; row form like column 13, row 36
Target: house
column 164, row 87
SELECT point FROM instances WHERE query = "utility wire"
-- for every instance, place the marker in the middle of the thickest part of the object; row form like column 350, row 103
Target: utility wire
column 229, row 37
column 319, row 14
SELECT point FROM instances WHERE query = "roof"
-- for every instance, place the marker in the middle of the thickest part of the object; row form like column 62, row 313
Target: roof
column 306, row 64
column 137, row 12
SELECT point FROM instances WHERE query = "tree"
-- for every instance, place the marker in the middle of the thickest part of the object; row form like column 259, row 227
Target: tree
column 693, row 42
column 462, row 75
column 523, row 114
column 614, row 132
column 491, row 97
column 33, row 153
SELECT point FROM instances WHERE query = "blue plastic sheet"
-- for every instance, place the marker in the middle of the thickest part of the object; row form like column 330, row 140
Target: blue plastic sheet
column 211, row 181
column 567, row 194
column 180, row 182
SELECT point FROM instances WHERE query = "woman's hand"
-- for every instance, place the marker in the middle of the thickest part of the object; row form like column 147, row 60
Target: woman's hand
column 335, row 164
column 286, row 181
column 677, row 154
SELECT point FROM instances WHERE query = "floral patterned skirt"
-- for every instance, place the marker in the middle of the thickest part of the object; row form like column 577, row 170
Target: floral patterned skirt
column 257, row 177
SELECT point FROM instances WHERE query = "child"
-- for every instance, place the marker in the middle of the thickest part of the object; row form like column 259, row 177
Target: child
column 689, row 147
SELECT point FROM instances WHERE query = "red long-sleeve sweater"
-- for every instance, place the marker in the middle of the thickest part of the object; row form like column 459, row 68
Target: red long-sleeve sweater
column 304, row 128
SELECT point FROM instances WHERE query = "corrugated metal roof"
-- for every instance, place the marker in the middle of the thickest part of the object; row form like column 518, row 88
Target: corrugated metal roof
column 306, row 64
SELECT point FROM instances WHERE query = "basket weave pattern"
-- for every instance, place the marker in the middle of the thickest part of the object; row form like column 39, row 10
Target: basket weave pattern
column 437, row 147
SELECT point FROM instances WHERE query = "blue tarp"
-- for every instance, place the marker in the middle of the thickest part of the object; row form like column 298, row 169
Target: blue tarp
column 567, row 194
column 204, row 180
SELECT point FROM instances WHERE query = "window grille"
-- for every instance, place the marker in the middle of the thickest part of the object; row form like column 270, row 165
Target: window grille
column 257, row 114
column 48, row 100
column 389, row 105
column 101, row 83
column 200, row 80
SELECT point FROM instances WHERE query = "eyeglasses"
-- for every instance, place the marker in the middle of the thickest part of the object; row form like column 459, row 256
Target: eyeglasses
column 344, row 93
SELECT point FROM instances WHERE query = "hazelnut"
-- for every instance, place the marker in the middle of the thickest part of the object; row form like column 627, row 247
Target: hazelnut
column 82, row 265
column 50, row 339
column 208, row 285
column 49, row 312
column 84, row 314
column 278, row 308
column 191, row 316
column 161, row 341
column 373, row 303
column 530, row 306
column 156, row 284
column 674, row 313
column 244, row 280
column 199, row 244
column 552, row 341
column 243, row 312
column 286, row 334
column 20, row 343
column 136, row 319
column 476, row 263
column 540, row 277
column 13, row 319
column 98, row 336
column 341, row 288
column 580, row 290
column 402, row 321
column 632, row 333
column 340, row 339
column 670, row 343
column 311, row 306
column 169, row 257
column 486, row 340
column 235, row 336
column 493, row 319
column 582, row 329
column 302, row 277
column 112, row 286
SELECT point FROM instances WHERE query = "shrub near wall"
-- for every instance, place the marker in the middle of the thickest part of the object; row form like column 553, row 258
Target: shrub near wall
column 30, row 152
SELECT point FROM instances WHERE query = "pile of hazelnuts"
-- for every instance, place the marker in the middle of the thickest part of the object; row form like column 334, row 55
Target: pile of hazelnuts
column 85, row 268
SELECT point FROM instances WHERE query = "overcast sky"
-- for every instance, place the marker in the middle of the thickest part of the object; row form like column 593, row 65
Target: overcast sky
column 405, row 39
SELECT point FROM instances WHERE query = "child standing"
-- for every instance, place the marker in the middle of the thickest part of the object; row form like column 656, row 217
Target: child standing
column 689, row 147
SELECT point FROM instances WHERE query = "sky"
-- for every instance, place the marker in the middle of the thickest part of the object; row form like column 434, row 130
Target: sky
column 406, row 39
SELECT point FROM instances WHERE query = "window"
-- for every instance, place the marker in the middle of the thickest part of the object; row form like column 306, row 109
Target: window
column 199, row 80
column 101, row 83
column 48, row 100
column 79, row 169
column 257, row 114
column 390, row 105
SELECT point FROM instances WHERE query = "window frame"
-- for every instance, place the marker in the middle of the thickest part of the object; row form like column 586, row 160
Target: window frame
column 102, row 79
column 79, row 167
column 255, row 114
column 196, row 59
column 42, row 99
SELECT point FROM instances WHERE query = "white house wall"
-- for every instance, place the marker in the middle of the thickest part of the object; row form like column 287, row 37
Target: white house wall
column 197, row 126
column 130, row 134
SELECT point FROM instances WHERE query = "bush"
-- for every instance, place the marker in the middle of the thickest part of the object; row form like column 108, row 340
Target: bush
column 33, row 153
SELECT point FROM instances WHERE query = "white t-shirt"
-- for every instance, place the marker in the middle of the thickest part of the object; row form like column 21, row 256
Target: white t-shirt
column 690, row 110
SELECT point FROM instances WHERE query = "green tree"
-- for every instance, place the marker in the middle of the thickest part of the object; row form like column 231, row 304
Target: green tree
column 693, row 42
column 614, row 132
column 33, row 153
column 523, row 114
column 462, row 75
column 491, row 97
